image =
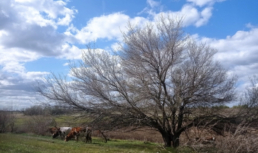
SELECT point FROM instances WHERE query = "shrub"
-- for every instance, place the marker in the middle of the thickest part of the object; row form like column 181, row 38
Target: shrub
column 6, row 121
column 241, row 141
column 39, row 124
column 46, row 110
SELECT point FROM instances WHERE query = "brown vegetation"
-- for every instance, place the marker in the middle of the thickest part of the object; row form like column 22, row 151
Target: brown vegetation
column 6, row 121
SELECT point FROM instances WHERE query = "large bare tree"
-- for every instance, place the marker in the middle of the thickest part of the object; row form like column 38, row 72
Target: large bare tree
column 158, row 79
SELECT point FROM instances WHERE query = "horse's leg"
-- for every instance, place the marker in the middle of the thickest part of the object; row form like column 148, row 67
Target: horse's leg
column 77, row 136
column 62, row 135
column 86, row 138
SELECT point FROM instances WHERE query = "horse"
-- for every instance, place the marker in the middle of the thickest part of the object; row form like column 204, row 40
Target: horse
column 52, row 130
column 88, row 135
column 75, row 132
column 62, row 131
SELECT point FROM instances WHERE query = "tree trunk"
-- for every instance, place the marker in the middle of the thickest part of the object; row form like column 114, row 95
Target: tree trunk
column 175, row 141
column 167, row 138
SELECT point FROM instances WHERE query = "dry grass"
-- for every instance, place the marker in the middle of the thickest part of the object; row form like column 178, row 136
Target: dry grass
column 145, row 134
column 243, row 140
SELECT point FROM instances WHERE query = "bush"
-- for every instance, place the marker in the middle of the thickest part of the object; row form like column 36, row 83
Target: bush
column 35, row 110
column 241, row 141
column 6, row 121
column 46, row 110
column 39, row 124
column 220, row 107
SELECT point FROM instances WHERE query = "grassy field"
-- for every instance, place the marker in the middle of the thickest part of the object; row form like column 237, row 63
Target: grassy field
column 31, row 143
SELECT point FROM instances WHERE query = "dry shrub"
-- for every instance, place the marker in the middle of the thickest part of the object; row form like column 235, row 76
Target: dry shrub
column 6, row 121
column 145, row 134
column 39, row 124
column 243, row 140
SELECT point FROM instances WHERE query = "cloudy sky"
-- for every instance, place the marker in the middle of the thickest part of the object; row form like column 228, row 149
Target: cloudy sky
column 38, row 37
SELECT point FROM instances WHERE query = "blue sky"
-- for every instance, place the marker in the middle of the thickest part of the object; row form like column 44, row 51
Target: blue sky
column 38, row 37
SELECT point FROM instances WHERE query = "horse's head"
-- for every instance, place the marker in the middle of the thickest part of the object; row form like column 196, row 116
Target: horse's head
column 68, row 137
column 56, row 133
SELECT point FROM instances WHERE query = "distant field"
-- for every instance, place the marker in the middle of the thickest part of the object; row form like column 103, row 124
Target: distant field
column 30, row 143
column 61, row 120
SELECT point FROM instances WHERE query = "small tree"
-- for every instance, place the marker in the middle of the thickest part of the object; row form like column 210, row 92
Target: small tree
column 6, row 121
column 249, row 102
column 159, row 80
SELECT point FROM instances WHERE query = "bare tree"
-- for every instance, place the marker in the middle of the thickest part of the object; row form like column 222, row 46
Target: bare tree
column 159, row 79
column 251, row 94
column 7, row 119
column 249, row 103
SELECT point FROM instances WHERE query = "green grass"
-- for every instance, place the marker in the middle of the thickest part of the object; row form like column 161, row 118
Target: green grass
column 64, row 120
column 29, row 143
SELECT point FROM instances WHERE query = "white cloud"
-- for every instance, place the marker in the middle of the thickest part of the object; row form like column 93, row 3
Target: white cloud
column 70, row 52
column 32, row 25
column 28, row 31
column 238, row 53
column 116, row 47
column 153, row 3
column 205, row 15
column 110, row 26
column 66, row 64
column 204, row 2
column 152, row 8
column 43, row 12
column 191, row 15
column 105, row 27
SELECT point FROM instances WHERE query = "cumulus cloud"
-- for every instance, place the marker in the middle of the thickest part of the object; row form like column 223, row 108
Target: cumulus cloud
column 29, row 31
column 17, row 89
column 31, row 25
column 238, row 53
column 104, row 27
column 110, row 26
column 190, row 15
column 190, row 12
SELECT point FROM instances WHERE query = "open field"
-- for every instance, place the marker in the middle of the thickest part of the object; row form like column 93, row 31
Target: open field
column 31, row 143
column 27, row 137
column 29, row 134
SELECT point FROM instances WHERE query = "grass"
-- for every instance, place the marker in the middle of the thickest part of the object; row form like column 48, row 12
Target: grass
column 61, row 120
column 30, row 143
column 64, row 120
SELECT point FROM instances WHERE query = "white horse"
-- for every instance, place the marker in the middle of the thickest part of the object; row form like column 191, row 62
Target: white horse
column 62, row 131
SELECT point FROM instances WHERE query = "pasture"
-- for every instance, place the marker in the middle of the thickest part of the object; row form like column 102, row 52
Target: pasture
column 31, row 143
column 29, row 135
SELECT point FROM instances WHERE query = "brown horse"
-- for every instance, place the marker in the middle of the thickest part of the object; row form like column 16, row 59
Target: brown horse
column 53, row 131
column 75, row 132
